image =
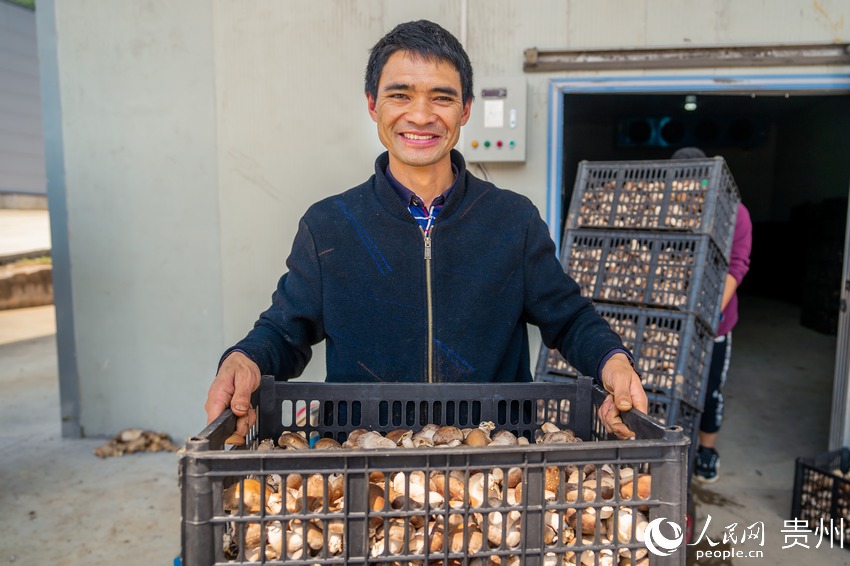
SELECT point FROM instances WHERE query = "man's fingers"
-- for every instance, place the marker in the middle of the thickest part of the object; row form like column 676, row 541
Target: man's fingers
column 246, row 380
column 605, row 413
column 243, row 424
column 638, row 395
column 622, row 395
column 241, row 402
column 612, row 421
column 622, row 432
column 214, row 408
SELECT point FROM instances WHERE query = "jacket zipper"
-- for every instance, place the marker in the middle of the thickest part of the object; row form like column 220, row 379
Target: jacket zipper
column 430, row 303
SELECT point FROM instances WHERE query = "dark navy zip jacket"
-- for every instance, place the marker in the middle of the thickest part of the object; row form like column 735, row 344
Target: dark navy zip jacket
column 358, row 278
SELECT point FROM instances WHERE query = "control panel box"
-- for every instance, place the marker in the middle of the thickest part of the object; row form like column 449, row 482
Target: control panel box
column 496, row 128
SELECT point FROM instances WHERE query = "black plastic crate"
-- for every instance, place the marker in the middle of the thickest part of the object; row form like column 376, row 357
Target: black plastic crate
column 206, row 470
column 672, row 350
column 676, row 271
column 698, row 196
column 667, row 411
column 822, row 494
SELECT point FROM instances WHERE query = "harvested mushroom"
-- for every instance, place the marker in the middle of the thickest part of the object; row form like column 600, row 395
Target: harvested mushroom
column 293, row 500
column 513, row 478
column 252, row 499
column 373, row 439
column 502, row 525
column 390, row 538
column 327, row 444
column 274, row 539
column 466, row 538
column 558, row 437
column 401, row 437
column 351, row 441
column 252, row 534
column 553, row 478
column 425, row 437
column 605, row 486
column 447, row 435
column 414, row 487
column 436, row 537
column 376, row 497
column 477, row 437
column 503, row 438
column 454, row 490
column 626, row 520
column 294, row 544
column 292, row 441
column 575, row 494
column 644, row 487
column 477, row 493
column 335, row 529
column 274, row 503
column 294, row 481
column 315, row 536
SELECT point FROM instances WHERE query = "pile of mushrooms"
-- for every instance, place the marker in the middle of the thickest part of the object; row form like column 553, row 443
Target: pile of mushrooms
column 596, row 203
column 447, row 511
column 631, row 265
column 624, row 273
column 824, row 497
column 656, row 360
column 657, row 357
column 583, row 265
column 641, row 205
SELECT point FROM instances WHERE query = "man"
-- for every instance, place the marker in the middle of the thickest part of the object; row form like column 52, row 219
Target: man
column 423, row 272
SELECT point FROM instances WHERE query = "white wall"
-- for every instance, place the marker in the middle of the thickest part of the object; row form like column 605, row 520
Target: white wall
column 197, row 133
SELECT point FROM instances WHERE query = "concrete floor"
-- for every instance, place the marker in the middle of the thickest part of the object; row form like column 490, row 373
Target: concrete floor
column 778, row 404
column 60, row 503
column 63, row 505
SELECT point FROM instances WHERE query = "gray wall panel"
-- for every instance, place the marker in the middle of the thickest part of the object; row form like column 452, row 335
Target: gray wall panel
column 23, row 170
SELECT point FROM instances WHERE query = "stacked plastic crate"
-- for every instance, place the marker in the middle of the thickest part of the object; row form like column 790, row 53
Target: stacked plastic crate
column 649, row 242
column 373, row 505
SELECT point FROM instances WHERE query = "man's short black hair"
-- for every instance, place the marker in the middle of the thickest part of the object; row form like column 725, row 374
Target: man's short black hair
column 424, row 39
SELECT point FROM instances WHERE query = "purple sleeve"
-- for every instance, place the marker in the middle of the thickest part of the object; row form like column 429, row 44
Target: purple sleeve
column 739, row 257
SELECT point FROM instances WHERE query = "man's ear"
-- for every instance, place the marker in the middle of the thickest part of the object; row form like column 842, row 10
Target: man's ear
column 370, row 103
column 466, row 111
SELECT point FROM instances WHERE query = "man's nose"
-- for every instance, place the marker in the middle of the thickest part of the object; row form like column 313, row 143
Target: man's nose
column 421, row 111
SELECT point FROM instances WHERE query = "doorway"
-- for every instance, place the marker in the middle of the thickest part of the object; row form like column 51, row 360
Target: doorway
column 786, row 139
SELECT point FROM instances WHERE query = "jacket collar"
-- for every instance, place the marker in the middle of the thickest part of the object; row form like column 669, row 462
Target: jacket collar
column 388, row 197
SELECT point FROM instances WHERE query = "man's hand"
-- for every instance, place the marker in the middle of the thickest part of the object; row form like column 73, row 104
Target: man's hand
column 621, row 381
column 237, row 378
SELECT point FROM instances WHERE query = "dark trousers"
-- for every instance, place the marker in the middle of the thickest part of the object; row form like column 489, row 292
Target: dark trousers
column 712, row 412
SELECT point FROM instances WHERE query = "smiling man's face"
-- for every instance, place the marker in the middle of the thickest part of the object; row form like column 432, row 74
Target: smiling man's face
column 418, row 110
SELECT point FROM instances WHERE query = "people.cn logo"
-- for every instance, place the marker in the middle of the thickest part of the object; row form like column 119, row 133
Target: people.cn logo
column 657, row 543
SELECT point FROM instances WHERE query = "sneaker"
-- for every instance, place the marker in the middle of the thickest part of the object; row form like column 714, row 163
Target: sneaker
column 707, row 463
